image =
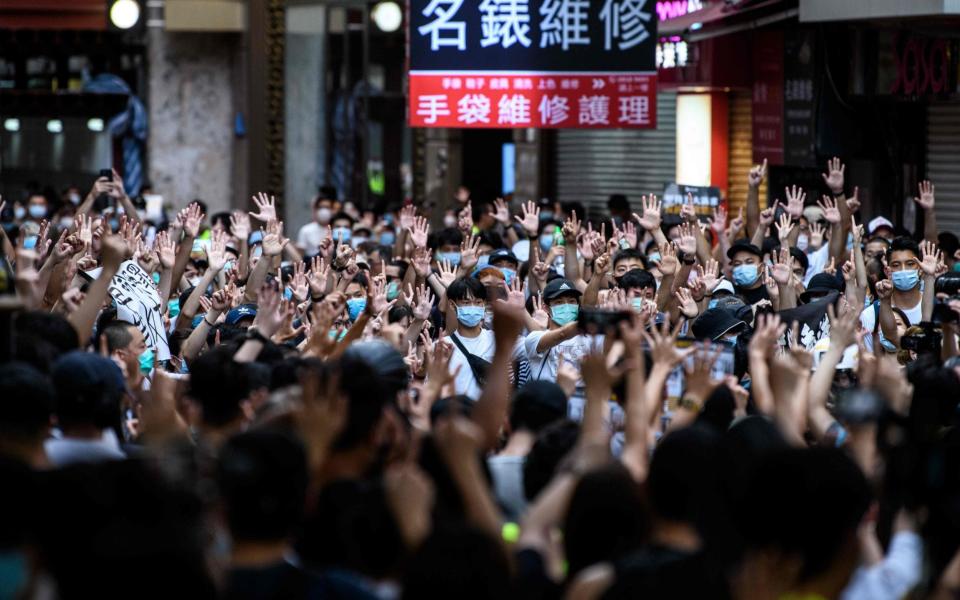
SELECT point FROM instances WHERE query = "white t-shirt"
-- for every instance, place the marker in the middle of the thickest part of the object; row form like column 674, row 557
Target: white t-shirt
column 543, row 365
column 482, row 346
column 310, row 236
column 868, row 318
column 818, row 259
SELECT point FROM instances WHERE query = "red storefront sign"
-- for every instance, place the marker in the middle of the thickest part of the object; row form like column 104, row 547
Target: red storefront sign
column 768, row 97
column 542, row 100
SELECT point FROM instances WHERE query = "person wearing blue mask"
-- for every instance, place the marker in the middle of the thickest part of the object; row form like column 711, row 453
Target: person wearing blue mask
column 562, row 336
column 473, row 346
column 126, row 345
column 448, row 246
column 900, row 290
column 639, row 285
column 746, row 264
column 506, row 261
column 356, row 294
column 341, row 228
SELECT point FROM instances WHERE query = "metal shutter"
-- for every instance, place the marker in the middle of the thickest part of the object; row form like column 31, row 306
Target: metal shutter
column 943, row 156
column 592, row 164
column 741, row 152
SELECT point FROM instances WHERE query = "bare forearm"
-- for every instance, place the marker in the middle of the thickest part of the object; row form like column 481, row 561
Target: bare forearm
column 760, row 384
column 817, row 415
column 930, row 232
column 194, row 342
column 888, row 323
column 183, row 256
column 555, row 336
column 491, row 407
column 654, row 391
column 838, row 243
column 753, row 208
column 928, row 297
column 256, row 279
column 85, row 316
column 166, row 281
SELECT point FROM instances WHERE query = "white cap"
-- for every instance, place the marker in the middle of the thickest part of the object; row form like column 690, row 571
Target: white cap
column 877, row 223
column 848, row 361
column 723, row 286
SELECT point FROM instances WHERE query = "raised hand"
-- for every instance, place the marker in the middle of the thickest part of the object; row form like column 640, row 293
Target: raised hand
column 853, row 202
column 930, row 258
column 167, row 250
column 571, row 229
column 688, row 306
column 84, row 224
column 220, row 301
column 782, row 269
column 421, row 262
column 834, row 175
column 465, row 219
column 771, row 285
column 266, row 208
column 192, row 217
column 769, row 329
column 884, row 289
column 926, row 199
column 531, row 218
column 815, row 239
column 539, row 313
column 830, row 211
column 795, row 199
column 767, row 216
column 757, row 174
column 843, row 328
column 446, row 272
column 650, row 216
column 377, row 303
column 719, row 221
column 501, row 212
column 735, row 226
column 317, row 276
column 687, row 242
column 784, row 228
column 668, row 259
column 709, row 275
column 273, row 240
column 663, row 345
column 831, row 268
column 629, row 233
column 856, row 231
column 216, row 254
column 240, row 226
column 419, row 231
column 408, row 215
column 515, row 294
column 699, row 379
column 326, row 246
column 688, row 211
column 299, row 283
column 424, row 302
column 469, row 252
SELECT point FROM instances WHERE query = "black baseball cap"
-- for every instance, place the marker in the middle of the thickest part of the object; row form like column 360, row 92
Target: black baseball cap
column 801, row 257
column 821, row 284
column 743, row 245
column 560, row 287
column 715, row 323
column 503, row 254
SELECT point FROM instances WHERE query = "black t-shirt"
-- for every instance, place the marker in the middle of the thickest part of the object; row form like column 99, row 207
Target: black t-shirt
column 753, row 296
column 660, row 572
column 279, row 580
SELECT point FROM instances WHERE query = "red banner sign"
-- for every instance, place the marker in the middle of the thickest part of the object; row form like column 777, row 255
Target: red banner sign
column 768, row 97
column 542, row 100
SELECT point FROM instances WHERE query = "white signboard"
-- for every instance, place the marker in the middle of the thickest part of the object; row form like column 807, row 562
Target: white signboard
column 139, row 303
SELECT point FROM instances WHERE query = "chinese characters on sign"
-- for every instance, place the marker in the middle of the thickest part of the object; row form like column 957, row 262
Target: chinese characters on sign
column 705, row 199
column 545, row 63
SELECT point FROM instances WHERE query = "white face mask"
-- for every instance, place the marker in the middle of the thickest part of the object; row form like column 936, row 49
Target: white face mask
column 449, row 221
column 66, row 222
column 323, row 215
column 802, row 242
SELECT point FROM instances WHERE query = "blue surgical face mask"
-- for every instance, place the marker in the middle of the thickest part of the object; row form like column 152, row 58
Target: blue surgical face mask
column 335, row 336
column 508, row 274
column 393, row 290
column 745, row 275
column 564, row 313
column 227, row 266
column 156, row 279
column 654, row 257
column 114, row 224
column 36, row 211
column 712, row 304
column 341, row 235
column 19, row 212
column 355, row 306
column 470, row 316
column 637, row 304
column 483, row 260
column 173, row 308
column 30, row 243
column 546, row 240
column 358, row 240
column 905, row 280
column 453, row 257
column 146, row 361
column 287, row 293
column 387, row 238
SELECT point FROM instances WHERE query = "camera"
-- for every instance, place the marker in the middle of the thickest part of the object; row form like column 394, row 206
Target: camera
column 927, row 342
column 597, row 322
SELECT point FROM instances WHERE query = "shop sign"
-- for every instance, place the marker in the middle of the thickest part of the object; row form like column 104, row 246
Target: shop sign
column 922, row 66
column 705, row 199
column 532, row 63
column 799, row 97
column 767, row 114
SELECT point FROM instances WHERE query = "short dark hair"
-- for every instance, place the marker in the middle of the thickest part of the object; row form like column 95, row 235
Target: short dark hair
column 40, row 337
column 448, row 236
column 683, row 472
column 118, row 335
column 218, row 384
column 222, row 217
column 618, row 202
column 342, row 215
column 553, row 443
column 626, row 253
column 26, row 401
column 637, row 278
column 465, row 287
column 262, row 478
column 903, row 243
column 201, row 204
column 399, row 313
column 537, row 404
column 328, row 192
column 948, row 242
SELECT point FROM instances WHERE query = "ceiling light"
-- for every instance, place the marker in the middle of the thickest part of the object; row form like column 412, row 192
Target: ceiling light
column 55, row 126
column 387, row 16
column 124, row 14
column 11, row 124
column 95, row 124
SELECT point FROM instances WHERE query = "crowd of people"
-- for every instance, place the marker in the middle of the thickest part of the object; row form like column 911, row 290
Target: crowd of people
column 509, row 399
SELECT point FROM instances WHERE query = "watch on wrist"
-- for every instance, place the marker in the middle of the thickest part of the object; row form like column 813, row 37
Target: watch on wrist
column 253, row 334
column 688, row 260
column 688, row 403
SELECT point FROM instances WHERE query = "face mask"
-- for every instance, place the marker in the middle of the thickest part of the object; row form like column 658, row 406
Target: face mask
column 905, row 280
column 256, row 252
column 654, row 258
column 66, row 222
column 146, row 361
column 114, row 224
column 712, row 304
column 637, row 304
column 546, row 215
column 36, row 211
column 483, row 260
column 546, row 240
column 19, row 212
column 358, row 240
column 173, row 308
column 745, row 275
column 287, row 293
column 156, row 279
column 387, row 238
column 449, row 221
column 802, row 242
column 30, row 243
column 453, row 257
column 508, row 274
column 227, row 266
column 956, row 266
column 74, row 198
column 323, row 215
column 335, row 336
column 355, row 306
column 849, row 242
column 194, row 281
column 470, row 316
column 341, row 235
column 564, row 313
column 393, row 290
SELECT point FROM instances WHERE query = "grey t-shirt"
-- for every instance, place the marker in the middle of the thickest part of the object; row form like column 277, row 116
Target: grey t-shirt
column 67, row 451
column 507, row 472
